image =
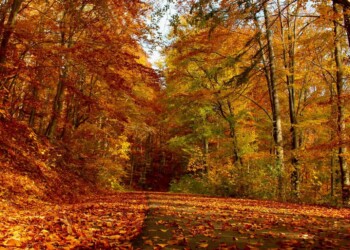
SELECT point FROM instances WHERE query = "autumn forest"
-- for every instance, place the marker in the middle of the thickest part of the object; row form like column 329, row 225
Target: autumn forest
column 248, row 100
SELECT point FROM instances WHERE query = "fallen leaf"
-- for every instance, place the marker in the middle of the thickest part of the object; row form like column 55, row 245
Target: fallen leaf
column 172, row 242
column 12, row 243
column 203, row 245
column 149, row 242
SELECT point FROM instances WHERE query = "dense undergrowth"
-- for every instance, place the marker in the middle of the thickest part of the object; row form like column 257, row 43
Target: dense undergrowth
column 221, row 186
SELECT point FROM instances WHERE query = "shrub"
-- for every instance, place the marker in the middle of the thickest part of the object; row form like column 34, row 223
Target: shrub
column 190, row 184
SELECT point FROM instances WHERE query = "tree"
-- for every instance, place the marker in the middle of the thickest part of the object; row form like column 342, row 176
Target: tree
column 74, row 72
column 275, row 103
column 281, row 37
column 340, row 84
column 9, row 11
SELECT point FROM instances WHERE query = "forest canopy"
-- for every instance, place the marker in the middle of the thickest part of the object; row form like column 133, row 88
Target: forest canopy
column 251, row 99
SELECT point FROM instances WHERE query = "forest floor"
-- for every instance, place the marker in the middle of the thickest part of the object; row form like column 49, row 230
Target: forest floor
column 95, row 222
column 150, row 220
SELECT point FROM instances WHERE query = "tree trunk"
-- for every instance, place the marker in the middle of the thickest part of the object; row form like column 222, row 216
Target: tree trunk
column 31, row 121
column 342, row 150
column 333, row 160
column 237, row 159
column 289, row 63
column 205, row 154
column 346, row 14
column 230, row 118
column 276, row 116
column 333, row 153
column 57, row 106
column 63, row 72
column 5, row 34
column 8, row 30
column 132, row 168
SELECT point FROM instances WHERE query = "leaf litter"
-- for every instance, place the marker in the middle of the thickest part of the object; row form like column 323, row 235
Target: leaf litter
column 99, row 222
column 178, row 221
column 172, row 221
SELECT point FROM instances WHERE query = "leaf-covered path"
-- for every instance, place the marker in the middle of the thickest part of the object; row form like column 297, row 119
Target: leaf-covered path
column 192, row 222
column 138, row 220
column 95, row 222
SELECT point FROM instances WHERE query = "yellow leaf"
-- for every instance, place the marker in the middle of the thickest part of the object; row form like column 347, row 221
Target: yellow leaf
column 203, row 245
column 149, row 242
column 12, row 243
column 115, row 237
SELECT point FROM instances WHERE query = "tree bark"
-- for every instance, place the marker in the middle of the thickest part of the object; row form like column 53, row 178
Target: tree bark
column 289, row 66
column 230, row 118
column 342, row 149
column 346, row 10
column 31, row 121
column 57, row 106
column 276, row 113
column 8, row 30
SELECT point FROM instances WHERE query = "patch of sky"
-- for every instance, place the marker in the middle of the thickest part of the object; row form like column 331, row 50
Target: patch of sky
column 159, row 20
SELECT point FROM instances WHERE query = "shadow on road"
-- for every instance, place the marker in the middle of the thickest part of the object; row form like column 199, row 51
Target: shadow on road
column 176, row 221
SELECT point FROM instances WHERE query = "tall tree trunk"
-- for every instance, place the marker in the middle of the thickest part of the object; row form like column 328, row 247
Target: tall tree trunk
column 265, row 69
column 289, row 66
column 230, row 118
column 65, row 42
column 57, row 105
column 276, row 116
column 5, row 34
column 31, row 121
column 132, row 168
column 8, row 30
column 333, row 173
column 346, row 14
column 205, row 154
column 333, row 153
column 237, row 159
column 342, row 150
column 147, row 163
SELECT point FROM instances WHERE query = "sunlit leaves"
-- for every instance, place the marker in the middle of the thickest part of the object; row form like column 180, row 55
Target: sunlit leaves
column 218, row 61
column 103, row 222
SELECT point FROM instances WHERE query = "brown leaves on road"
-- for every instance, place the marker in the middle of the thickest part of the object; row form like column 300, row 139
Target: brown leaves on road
column 173, row 221
column 178, row 221
column 108, row 222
